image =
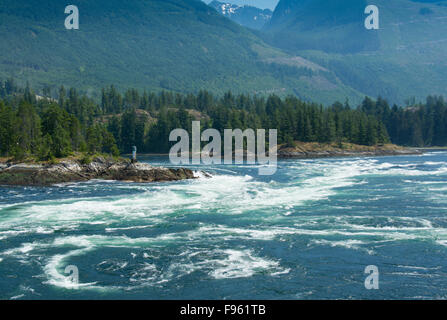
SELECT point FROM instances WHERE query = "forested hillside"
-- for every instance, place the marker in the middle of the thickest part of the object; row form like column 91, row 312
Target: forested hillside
column 404, row 58
column 48, row 129
column 176, row 45
column 419, row 124
column 317, row 50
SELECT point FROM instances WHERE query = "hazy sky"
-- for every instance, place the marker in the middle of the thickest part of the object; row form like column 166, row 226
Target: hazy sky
column 271, row 4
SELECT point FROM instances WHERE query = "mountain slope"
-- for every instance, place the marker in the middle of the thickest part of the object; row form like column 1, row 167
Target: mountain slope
column 180, row 45
column 405, row 58
column 247, row 16
column 335, row 26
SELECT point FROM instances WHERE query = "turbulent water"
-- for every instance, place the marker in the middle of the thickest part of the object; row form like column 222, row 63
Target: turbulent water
column 308, row 232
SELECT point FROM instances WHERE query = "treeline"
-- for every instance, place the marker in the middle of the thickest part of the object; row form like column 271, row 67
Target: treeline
column 58, row 123
column 295, row 120
column 46, row 128
column 419, row 124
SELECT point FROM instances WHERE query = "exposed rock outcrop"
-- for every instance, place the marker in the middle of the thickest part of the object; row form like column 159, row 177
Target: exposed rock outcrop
column 99, row 168
column 317, row 150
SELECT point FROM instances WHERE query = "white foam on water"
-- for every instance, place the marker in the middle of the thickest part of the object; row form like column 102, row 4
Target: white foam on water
column 349, row 244
column 401, row 229
column 61, row 281
column 243, row 264
column 235, row 264
column 414, row 274
column 418, row 268
column 200, row 175
column 148, row 274
column 438, row 189
column 315, row 181
column 12, row 233
column 56, row 216
column 411, row 172
column 224, row 194
column 442, row 242
column 228, row 233
column 433, row 163
column 22, row 230
column 22, row 250
column 115, row 241
column 87, row 244
column 217, row 263
column 112, row 265
column 342, row 170
column 390, row 228
column 128, row 228
column 418, row 182
column 434, row 153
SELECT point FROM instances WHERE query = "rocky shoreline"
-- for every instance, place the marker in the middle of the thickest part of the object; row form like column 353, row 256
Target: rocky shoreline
column 23, row 174
column 284, row 154
column 315, row 151
column 73, row 170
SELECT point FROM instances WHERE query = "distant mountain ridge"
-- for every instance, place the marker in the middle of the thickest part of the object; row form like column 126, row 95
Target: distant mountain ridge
column 176, row 45
column 404, row 58
column 247, row 16
column 331, row 26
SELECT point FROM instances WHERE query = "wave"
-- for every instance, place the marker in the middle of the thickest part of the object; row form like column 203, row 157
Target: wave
column 349, row 244
column 308, row 182
column 241, row 264
column 217, row 263
column 419, row 267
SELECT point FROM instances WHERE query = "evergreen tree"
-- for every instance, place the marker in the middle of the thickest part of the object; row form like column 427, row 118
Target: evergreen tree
column 8, row 132
column 128, row 126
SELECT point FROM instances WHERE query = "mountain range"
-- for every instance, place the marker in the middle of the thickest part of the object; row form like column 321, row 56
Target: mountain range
column 178, row 45
column 404, row 58
column 248, row 16
column 318, row 50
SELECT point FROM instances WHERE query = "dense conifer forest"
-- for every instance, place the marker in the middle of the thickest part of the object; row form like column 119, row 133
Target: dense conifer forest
column 51, row 125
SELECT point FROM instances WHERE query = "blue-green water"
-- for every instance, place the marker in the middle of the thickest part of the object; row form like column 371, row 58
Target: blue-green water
column 308, row 232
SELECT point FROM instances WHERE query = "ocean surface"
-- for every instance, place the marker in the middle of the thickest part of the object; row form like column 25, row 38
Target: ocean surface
column 307, row 232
